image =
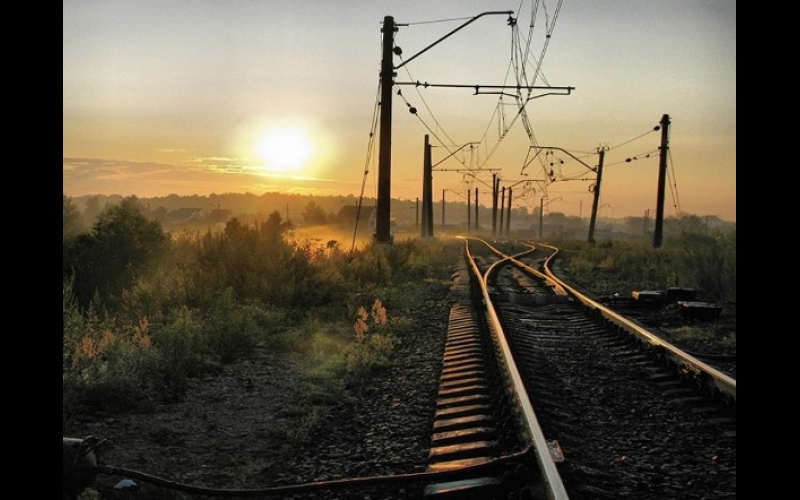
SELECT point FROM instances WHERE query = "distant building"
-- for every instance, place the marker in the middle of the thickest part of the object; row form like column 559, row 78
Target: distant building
column 181, row 216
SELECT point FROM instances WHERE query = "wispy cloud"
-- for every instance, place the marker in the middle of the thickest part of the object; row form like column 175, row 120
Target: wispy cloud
column 88, row 176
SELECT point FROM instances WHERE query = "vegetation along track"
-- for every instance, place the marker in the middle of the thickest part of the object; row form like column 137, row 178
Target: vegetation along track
column 633, row 416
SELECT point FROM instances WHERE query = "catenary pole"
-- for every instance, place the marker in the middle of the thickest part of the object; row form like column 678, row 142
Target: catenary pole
column 382, row 216
column 658, row 234
column 427, row 191
column 596, row 199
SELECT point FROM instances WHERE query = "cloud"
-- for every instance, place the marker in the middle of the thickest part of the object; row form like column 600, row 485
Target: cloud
column 93, row 176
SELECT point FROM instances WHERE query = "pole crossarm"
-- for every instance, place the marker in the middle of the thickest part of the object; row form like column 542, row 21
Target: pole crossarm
column 593, row 169
column 490, row 13
column 470, row 172
column 478, row 87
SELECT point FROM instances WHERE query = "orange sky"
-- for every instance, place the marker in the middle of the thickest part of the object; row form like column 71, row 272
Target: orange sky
column 211, row 97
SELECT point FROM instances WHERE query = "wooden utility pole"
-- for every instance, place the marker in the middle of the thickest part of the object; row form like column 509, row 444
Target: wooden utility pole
column 541, row 215
column 508, row 217
column 476, row 210
column 443, row 190
column 495, row 184
column 658, row 234
column 469, row 210
column 502, row 205
column 427, row 191
column 382, row 220
column 596, row 199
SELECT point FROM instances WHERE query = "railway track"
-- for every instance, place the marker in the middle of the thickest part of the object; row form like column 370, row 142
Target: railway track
column 543, row 394
column 619, row 413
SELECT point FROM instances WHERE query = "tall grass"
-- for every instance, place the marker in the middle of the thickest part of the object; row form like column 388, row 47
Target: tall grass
column 703, row 261
column 214, row 298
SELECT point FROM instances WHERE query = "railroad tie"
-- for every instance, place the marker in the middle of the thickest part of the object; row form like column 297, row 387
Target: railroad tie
column 464, row 430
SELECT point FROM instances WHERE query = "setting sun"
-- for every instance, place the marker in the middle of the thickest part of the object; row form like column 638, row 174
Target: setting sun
column 285, row 149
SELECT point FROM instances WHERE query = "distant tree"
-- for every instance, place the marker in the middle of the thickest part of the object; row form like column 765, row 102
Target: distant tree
column 119, row 247
column 73, row 226
column 314, row 214
column 91, row 211
column 274, row 220
column 276, row 224
column 556, row 218
column 73, row 223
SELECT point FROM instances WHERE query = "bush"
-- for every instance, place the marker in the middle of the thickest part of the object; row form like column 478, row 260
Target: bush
column 211, row 299
column 105, row 368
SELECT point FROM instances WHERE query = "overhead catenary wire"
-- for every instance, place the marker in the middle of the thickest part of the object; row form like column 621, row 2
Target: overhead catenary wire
column 636, row 138
column 524, row 69
column 428, row 109
column 515, row 70
column 519, row 62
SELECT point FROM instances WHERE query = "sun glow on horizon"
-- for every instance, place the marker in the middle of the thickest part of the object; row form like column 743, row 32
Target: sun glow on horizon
column 285, row 149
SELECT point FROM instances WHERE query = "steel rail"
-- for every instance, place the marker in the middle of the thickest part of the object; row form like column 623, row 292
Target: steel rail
column 555, row 284
column 544, row 458
column 709, row 375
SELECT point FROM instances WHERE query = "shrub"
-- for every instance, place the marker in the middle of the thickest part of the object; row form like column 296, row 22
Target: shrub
column 373, row 347
column 105, row 368
column 230, row 330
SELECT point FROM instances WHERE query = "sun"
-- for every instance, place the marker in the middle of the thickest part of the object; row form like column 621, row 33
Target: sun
column 287, row 149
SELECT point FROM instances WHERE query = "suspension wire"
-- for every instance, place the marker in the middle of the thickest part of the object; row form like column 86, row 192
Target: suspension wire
column 417, row 23
column 549, row 26
column 521, row 74
column 673, row 189
column 654, row 129
column 499, row 112
column 447, row 145
column 425, row 103
column 422, row 121
column 522, row 78
column 674, row 186
column 368, row 160
column 548, row 35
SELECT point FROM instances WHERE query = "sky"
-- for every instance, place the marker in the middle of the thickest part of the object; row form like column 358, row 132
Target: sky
column 252, row 96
